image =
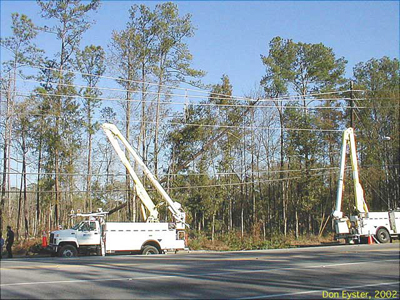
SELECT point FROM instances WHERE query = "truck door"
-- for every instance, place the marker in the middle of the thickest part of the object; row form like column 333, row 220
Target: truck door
column 89, row 233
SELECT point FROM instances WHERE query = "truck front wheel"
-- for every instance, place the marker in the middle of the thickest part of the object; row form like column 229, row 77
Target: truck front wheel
column 68, row 251
column 150, row 250
column 383, row 236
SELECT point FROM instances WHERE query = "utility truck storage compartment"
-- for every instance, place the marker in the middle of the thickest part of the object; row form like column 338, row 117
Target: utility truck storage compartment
column 132, row 236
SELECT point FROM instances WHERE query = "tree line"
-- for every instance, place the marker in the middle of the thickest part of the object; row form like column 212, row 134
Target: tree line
column 263, row 162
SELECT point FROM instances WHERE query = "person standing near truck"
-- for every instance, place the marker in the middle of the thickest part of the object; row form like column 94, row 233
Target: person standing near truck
column 10, row 241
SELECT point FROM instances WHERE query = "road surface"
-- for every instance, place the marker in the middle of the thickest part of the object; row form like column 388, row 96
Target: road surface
column 358, row 271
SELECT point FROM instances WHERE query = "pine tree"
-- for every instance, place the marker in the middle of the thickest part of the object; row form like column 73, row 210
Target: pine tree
column 71, row 23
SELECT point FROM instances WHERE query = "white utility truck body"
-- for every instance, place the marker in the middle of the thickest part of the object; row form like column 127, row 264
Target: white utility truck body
column 135, row 236
column 97, row 235
column 382, row 225
column 100, row 237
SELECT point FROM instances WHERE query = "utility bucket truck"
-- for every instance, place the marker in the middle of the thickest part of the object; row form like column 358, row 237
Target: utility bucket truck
column 97, row 235
column 382, row 225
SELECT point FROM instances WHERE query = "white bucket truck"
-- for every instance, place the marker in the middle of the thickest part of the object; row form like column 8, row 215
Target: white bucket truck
column 381, row 225
column 97, row 235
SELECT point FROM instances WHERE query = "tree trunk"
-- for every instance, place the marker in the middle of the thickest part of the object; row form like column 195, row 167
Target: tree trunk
column 19, row 208
column 143, row 129
column 242, row 220
column 57, row 187
column 296, row 217
column 230, row 208
column 252, row 171
column 3, row 186
column 56, row 152
column 38, row 187
column 129, row 198
column 160, row 82
column 6, row 158
column 24, row 185
column 281, row 174
column 89, row 165
column 213, row 227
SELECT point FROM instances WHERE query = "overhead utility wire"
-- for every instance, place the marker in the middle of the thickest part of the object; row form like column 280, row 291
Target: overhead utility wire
column 139, row 82
column 347, row 169
column 118, row 79
column 25, row 94
column 218, row 126
column 197, row 90
column 186, row 89
column 166, row 174
column 379, row 193
column 182, row 187
column 248, row 182
column 210, row 125
column 172, row 94
column 195, row 174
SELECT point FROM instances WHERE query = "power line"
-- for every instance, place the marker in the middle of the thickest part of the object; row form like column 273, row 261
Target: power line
column 196, row 174
column 167, row 174
column 186, row 89
column 200, row 90
column 120, row 79
column 184, row 95
column 181, row 187
column 215, row 125
column 205, row 125
column 347, row 169
column 27, row 95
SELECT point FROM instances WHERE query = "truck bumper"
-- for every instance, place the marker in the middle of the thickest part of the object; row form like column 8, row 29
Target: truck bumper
column 52, row 248
column 353, row 237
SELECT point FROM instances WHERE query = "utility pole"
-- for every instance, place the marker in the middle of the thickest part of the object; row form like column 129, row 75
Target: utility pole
column 351, row 104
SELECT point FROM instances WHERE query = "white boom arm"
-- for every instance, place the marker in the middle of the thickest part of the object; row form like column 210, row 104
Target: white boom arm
column 361, row 206
column 112, row 131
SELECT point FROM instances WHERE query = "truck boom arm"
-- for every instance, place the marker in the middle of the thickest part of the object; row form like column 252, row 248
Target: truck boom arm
column 361, row 206
column 112, row 131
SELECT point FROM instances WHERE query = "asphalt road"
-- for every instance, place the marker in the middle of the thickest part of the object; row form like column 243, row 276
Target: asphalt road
column 307, row 273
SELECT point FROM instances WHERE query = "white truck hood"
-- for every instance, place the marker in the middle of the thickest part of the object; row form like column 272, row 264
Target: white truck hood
column 64, row 233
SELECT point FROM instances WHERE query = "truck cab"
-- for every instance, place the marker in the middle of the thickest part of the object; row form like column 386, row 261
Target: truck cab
column 84, row 237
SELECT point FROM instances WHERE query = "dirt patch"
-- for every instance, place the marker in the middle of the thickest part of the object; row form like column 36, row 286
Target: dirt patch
column 234, row 241
column 311, row 240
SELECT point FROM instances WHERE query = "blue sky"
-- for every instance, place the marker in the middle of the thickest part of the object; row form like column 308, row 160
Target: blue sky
column 232, row 35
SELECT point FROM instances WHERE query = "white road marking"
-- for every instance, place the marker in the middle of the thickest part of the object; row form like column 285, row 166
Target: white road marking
column 298, row 268
column 318, row 291
column 193, row 275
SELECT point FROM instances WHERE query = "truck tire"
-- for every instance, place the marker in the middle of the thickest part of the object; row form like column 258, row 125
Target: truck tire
column 150, row 250
column 383, row 236
column 68, row 251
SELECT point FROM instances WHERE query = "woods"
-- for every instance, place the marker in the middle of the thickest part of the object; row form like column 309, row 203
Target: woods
column 265, row 163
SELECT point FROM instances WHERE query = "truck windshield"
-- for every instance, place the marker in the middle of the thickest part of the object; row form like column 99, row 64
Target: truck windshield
column 76, row 226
